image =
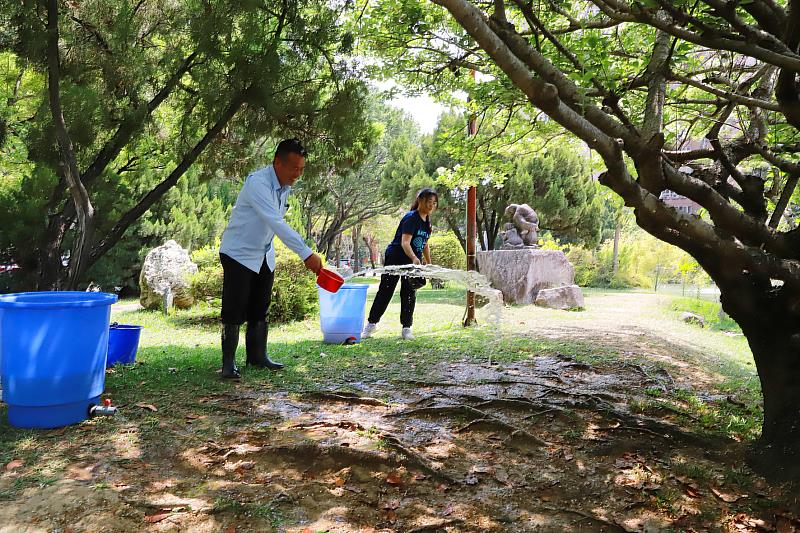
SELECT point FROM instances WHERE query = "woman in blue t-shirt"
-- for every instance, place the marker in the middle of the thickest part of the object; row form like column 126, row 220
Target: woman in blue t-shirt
column 409, row 246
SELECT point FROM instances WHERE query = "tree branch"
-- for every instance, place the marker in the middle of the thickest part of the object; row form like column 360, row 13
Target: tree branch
column 154, row 195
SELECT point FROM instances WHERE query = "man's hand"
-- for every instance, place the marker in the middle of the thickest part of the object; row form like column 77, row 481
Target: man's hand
column 313, row 263
column 416, row 261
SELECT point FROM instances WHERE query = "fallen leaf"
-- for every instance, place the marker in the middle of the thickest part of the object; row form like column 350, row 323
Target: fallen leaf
column 448, row 510
column 147, row 406
column 231, row 529
column 391, row 516
column 441, row 487
column 157, row 517
column 391, row 504
column 471, row 479
column 80, row 473
column 727, row 498
column 339, row 482
column 479, row 469
column 784, row 525
column 691, row 491
column 16, row 463
column 393, row 479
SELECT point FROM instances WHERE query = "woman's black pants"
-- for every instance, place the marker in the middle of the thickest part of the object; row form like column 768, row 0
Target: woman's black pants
column 408, row 299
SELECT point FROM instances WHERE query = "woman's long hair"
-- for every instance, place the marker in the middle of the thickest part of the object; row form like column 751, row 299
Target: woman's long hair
column 423, row 194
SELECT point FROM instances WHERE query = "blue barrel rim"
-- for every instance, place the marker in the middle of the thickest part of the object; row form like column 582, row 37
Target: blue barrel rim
column 115, row 325
column 64, row 299
column 348, row 287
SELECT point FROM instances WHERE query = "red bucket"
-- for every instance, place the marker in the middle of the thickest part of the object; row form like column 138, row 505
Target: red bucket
column 329, row 280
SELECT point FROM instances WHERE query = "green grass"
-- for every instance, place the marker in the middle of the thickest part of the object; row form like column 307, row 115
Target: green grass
column 179, row 355
column 710, row 311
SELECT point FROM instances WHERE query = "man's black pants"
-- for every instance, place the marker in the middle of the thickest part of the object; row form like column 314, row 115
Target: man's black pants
column 245, row 294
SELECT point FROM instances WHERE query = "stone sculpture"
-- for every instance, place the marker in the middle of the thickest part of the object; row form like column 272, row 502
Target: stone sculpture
column 524, row 273
column 523, row 228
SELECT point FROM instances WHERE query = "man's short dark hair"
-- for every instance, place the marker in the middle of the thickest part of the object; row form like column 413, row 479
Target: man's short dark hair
column 290, row 146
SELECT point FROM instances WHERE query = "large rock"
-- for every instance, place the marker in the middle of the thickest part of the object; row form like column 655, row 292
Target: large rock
column 692, row 318
column 568, row 297
column 521, row 274
column 164, row 280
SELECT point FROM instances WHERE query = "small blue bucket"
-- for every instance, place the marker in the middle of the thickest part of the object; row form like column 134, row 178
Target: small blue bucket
column 123, row 341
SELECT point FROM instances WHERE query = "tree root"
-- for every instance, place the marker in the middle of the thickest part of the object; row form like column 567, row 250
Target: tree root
column 511, row 403
column 339, row 454
column 457, row 410
column 431, row 528
column 344, row 424
column 354, row 456
column 416, row 460
column 346, row 397
column 429, row 384
column 590, row 516
column 493, row 422
column 539, row 413
column 633, row 428
column 669, row 430
column 601, row 397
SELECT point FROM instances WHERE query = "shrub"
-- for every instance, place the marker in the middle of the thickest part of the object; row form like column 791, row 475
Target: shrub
column 586, row 266
column 294, row 293
column 446, row 251
column 206, row 283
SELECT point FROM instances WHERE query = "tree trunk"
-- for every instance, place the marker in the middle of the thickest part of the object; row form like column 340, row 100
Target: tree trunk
column 615, row 263
column 769, row 320
column 79, row 255
column 356, row 250
column 369, row 240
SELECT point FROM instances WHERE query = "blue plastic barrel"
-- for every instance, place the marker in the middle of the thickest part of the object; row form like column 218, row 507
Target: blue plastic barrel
column 53, row 355
column 341, row 313
column 123, row 341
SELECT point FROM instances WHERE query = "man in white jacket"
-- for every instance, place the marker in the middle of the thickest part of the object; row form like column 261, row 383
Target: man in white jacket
column 248, row 256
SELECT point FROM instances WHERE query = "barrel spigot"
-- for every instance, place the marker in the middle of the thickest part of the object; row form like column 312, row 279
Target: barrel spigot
column 103, row 410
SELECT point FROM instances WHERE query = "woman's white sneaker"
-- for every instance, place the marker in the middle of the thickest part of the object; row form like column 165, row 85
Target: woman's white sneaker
column 369, row 330
column 406, row 334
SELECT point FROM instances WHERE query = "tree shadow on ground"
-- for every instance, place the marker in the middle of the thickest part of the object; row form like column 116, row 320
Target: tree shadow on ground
column 389, row 435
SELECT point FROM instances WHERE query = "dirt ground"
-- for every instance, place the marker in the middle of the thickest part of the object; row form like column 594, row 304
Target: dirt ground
column 547, row 444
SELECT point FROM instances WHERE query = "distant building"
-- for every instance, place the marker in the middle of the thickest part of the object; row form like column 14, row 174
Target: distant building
column 680, row 203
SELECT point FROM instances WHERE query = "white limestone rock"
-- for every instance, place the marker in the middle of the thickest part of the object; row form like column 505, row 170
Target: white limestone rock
column 692, row 318
column 568, row 297
column 164, row 279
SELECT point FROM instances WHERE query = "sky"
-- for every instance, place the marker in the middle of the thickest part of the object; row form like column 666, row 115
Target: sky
column 422, row 109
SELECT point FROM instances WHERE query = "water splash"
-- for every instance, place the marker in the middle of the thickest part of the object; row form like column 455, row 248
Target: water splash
column 469, row 279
